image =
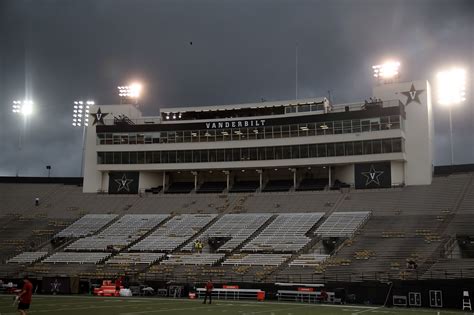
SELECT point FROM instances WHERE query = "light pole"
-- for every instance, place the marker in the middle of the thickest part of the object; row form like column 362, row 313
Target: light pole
column 451, row 91
column 25, row 109
column 80, row 119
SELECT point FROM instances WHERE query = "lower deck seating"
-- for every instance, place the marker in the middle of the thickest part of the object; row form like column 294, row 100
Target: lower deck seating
column 27, row 257
column 78, row 258
column 135, row 258
column 193, row 259
column 278, row 185
column 312, row 184
column 154, row 190
column 309, row 260
column 180, row 188
column 257, row 259
column 212, row 187
column 244, row 187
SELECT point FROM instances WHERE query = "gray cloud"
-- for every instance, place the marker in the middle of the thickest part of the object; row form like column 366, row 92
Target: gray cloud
column 61, row 50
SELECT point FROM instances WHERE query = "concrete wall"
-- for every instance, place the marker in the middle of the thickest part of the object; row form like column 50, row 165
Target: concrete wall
column 345, row 173
column 416, row 96
column 150, row 179
column 398, row 172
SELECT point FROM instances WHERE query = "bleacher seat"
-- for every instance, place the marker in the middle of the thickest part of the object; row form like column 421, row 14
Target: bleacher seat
column 285, row 234
column 343, row 224
column 180, row 188
column 278, row 185
column 86, row 225
column 244, row 187
column 212, row 187
column 174, row 233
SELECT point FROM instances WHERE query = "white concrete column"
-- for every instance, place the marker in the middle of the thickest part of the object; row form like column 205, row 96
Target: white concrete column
column 260, row 173
column 293, row 170
column 330, row 179
column 227, row 174
column 164, row 180
column 195, row 174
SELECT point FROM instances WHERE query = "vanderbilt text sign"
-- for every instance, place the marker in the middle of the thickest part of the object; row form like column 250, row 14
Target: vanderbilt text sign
column 236, row 124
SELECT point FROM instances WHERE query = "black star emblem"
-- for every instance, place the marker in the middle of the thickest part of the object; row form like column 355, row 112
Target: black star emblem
column 123, row 183
column 99, row 117
column 413, row 95
column 372, row 176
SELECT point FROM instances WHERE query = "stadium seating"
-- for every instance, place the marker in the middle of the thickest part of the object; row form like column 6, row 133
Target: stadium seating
column 120, row 234
column 257, row 259
column 174, row 233
column 285, row 234
column 312, row 184
column 343, row 224
column 278, row 185
column 406, row 223
column 135, row 258
column 237, row 227
column 87, row 225
column 27, row 257
column 193, row 259
column 306, row 260
column 180, row 188
column 244, row 186
column 212, row 187
column 79, row 258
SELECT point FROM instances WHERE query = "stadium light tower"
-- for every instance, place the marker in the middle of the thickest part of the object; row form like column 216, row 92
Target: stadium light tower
column 130, row 93
column 24, row 109
column 387, row 72
column 451, row 91
column 80, row 119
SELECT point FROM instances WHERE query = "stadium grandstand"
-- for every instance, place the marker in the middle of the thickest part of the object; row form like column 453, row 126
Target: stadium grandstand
column 285, row 197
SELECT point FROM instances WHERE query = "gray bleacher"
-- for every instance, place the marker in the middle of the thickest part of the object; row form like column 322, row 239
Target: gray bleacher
column 286, row 233
column 306, row 260
column 78, row 258
column 174, row 233
column 257, row 259
column 135, row 258
column 343, row 224
column 27, row 257
column 120, row 234
column 193, row 259
column 87, row 225
column 238, row 227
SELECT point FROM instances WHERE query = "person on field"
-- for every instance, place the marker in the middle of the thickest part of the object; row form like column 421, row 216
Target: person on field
column 25, row 296
column 209, row 287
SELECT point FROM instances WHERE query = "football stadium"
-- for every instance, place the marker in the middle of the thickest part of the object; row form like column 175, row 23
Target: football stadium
column 204, row 187
column 287, row 207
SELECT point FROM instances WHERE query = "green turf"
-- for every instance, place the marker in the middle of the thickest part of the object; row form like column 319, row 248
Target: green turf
column 77, row 305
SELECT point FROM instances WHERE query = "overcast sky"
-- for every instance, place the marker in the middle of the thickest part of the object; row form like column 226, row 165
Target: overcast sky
column 57, row 51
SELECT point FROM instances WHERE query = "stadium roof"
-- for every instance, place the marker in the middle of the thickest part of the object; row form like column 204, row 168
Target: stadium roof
column 246, row 105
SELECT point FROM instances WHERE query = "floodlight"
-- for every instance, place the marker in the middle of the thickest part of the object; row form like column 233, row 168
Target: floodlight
column 387, row 70
column 24, row 108
column 451, row 86
column 132, row 91
column 81, row 113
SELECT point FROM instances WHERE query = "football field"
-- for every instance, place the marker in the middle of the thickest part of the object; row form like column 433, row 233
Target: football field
column 79, row 305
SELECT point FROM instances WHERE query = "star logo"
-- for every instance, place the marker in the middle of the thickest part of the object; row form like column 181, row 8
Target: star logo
column 413, row 95
column 99, row 117
column 372, row 176
column 123, row 183
column 55, row 286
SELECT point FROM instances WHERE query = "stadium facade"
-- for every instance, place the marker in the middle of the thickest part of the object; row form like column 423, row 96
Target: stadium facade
column 383, row 142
